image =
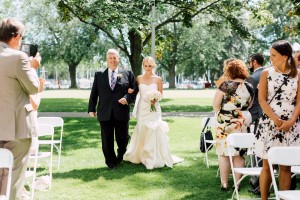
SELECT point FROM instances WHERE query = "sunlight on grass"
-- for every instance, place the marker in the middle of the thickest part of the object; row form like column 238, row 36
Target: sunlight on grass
column 84, row 176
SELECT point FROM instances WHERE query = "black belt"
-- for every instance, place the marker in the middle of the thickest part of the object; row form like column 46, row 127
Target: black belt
column 228, row 111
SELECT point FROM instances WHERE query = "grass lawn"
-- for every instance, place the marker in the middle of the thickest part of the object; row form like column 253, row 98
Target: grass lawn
column 84, row 176
column 168, row 105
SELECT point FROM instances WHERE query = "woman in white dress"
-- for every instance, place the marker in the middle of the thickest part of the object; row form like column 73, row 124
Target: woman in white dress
column 149, row 141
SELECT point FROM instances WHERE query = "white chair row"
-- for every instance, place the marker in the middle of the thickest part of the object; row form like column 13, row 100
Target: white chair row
column 42, row 130
column 246, row 141
column 7, row 161
column 56, row 122
column 288, row 156
column 46, row 128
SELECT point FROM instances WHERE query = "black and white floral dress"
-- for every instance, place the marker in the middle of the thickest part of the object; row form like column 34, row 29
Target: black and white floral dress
column 283, row 105
column 234, row 116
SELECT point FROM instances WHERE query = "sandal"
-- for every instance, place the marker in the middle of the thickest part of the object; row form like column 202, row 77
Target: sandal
column 224, row 186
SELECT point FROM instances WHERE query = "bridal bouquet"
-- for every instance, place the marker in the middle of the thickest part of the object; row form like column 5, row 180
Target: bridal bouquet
column 153, row 95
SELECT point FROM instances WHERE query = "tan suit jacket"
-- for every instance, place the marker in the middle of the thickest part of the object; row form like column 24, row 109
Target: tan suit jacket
column 17, row 81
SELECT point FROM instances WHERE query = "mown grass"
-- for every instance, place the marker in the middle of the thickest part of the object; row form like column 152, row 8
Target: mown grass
column 168, row 105
column 84, row 176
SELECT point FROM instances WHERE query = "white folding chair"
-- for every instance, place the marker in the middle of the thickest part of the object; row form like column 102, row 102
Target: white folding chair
column 56, row 122
column 42, row 130
column 286, row 156
column 210, row 125
column 6, row 162
column 295, row 170
column 241, row 140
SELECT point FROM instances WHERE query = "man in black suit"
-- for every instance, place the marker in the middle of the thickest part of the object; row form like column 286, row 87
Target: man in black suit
column 255, row 66
column 110, row 94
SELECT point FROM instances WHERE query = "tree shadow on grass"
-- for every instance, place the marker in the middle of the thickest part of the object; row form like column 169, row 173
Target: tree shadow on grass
column 192, row 179
column 60, row 105
column 80, row 133
column 188, row 108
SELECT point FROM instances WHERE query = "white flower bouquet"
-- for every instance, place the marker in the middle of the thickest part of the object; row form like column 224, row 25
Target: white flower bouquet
column 153, row 95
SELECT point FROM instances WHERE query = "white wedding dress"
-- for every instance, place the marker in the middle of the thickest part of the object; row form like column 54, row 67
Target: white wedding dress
column 149, row 141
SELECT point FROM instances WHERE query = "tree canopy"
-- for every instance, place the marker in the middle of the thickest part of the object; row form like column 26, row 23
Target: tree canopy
column 128, row 23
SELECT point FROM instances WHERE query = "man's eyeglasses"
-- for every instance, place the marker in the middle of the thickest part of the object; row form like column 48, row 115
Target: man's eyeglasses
column 23, row 37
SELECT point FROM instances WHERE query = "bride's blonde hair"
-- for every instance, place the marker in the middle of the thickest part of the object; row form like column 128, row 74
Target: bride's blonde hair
column 150, row 61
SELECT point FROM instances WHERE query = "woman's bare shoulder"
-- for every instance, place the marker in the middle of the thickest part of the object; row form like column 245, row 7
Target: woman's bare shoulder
column 158, row 78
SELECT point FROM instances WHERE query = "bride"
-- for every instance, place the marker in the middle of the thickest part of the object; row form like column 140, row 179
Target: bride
column 149, row 141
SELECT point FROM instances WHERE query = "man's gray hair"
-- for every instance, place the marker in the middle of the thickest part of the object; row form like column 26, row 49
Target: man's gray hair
column 113, row 51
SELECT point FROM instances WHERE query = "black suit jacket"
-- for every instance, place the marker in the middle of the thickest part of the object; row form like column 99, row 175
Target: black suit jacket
column 255, row 109
column 106, row 100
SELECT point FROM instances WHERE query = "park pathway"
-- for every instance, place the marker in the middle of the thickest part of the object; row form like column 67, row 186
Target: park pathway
column 84, row 94
column 166, row 114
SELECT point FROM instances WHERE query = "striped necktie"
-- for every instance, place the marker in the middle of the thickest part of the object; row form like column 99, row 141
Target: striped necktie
column 112, row 80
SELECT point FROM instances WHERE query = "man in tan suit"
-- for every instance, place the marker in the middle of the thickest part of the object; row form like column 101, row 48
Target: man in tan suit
column 18, row 80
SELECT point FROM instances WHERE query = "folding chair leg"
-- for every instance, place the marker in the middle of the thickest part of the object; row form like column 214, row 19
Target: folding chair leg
column 58, row 164
column 218, row 172
column 206, row 159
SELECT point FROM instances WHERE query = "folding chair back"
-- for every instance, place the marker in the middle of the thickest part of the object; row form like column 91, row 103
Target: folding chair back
column 210, row 125
column 286, row 156
column 241, row 140
column 46, row 130
column 42, row 130
column 6, row 162
column 55, row 122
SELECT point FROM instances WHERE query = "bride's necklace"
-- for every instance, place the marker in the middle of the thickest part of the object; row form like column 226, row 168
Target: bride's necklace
column 148, row 76
column 282, row 71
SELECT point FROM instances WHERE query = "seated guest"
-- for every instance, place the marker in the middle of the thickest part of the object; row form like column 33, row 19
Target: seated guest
column 231, row 103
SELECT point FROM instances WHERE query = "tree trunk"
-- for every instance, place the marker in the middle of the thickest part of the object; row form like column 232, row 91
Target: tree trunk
column 174, row 59
column 72, row 71
column 136, row 48
column 172, row 75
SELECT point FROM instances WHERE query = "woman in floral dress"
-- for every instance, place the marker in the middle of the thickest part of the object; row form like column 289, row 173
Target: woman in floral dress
column 279, row 98
column 231, row 104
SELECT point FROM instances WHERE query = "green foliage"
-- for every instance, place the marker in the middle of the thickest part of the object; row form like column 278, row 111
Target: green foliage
column 203, row 48
column 69, row 42
column 118, row 18
column 294, row 13
column 6, row 5
column 274, row 25
column 195, row 51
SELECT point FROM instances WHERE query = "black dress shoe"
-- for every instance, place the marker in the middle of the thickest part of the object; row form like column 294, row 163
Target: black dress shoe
column 112, row 167
column 119, row 160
